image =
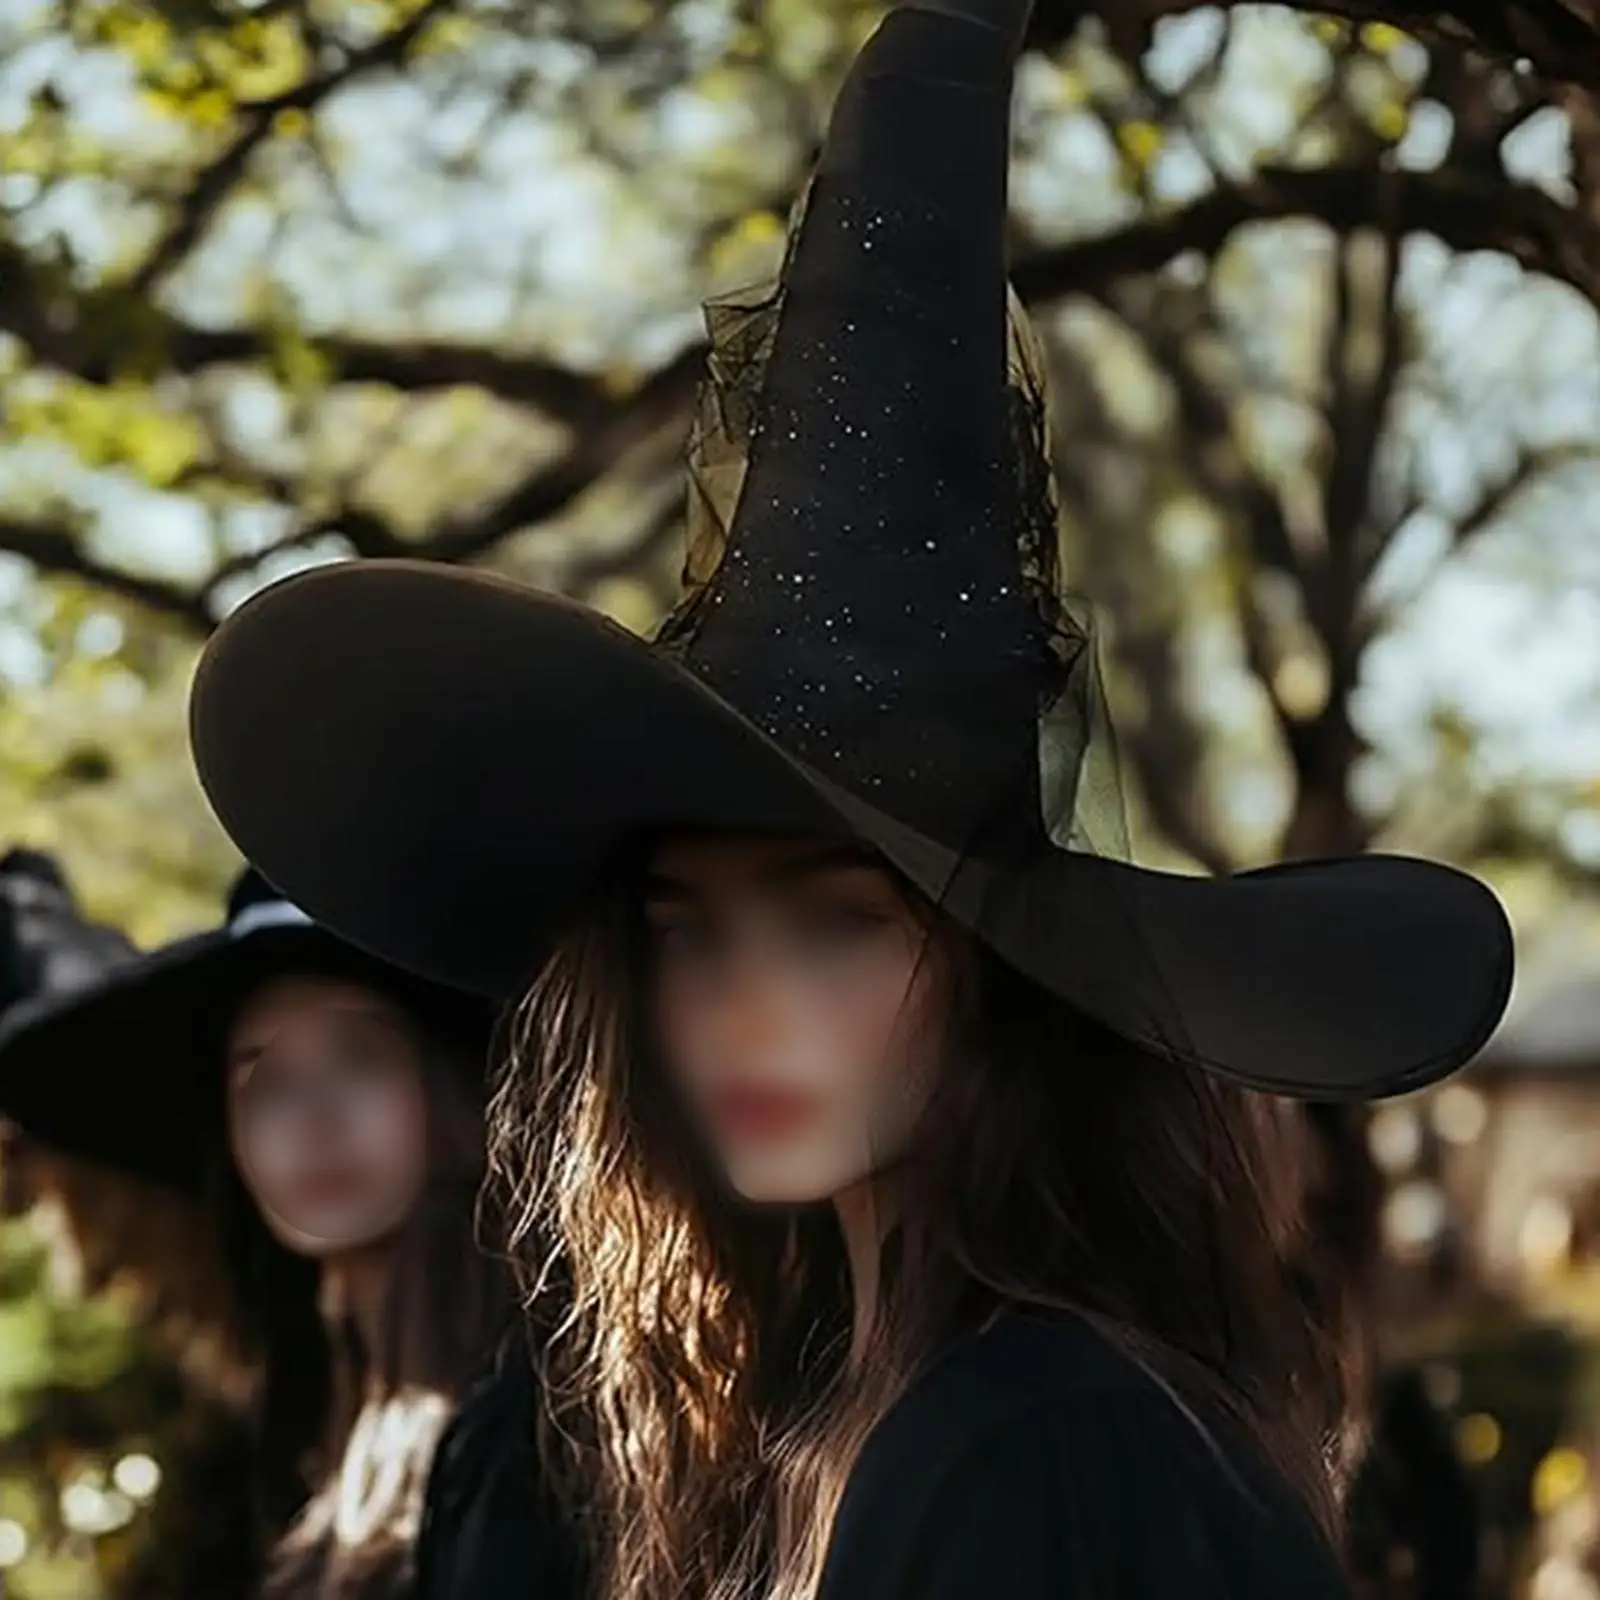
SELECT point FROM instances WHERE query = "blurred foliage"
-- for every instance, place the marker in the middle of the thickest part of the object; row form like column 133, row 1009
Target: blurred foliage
column 94, row 764
column 101, row 1445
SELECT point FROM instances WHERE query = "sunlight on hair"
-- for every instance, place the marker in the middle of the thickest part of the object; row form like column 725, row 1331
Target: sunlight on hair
column 703, row 1409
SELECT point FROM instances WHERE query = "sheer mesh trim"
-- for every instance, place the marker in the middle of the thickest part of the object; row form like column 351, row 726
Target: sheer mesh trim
column 1081, row 789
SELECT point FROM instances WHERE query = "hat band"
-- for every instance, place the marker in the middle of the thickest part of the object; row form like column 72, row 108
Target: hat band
column 267, row 914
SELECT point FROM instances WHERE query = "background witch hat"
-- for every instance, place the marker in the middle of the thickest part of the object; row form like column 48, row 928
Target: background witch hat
column 126, row 1069
column 99, row 1225
column 48, row 950
column 47, row 946
column 874, row 641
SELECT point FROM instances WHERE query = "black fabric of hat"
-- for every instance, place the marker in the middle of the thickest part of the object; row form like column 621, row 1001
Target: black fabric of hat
column 47, row 946
column 875, row 641
column 127, row 1070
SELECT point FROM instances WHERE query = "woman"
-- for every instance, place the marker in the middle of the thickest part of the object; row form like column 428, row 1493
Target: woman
column 888, row 1137
column 324, row 1110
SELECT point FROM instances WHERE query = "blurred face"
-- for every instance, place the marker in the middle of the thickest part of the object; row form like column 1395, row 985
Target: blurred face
column 795, row 1004
column 327, row 1114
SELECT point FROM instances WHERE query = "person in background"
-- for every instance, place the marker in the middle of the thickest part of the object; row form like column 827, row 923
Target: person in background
column 324, row 1111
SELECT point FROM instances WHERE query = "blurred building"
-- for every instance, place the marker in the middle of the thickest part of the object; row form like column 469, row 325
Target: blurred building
column 1492, row 1235
column 1531, row 1181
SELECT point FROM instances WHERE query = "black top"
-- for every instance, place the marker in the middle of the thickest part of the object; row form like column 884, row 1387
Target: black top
column 489, row 1528
column 1038, row 1463
column 1035, row 1462
column 1412, row 1506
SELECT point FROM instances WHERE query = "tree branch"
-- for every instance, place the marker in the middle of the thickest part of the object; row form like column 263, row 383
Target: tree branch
column 560, row 393
column 545, row 493
column 1359, row 412
column 1583, row 118
column 55, row 548
column 1531, row 466
column 212, row 184
column 87, row 336
column 1560, row 42
column 1467, row 213
column 651, row 537
column 1516, row 219
column 553, row 489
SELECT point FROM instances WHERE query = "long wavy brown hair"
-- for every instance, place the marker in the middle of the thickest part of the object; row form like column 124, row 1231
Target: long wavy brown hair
column 702, row 1416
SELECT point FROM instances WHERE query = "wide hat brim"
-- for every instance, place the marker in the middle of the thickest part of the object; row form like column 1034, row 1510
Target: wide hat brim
column 129, row 1071
column 436, row 762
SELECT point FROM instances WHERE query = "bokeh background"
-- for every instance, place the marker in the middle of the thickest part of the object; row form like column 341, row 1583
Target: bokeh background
column 287, row 282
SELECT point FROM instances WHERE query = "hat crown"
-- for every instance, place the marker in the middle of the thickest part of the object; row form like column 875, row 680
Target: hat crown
column 877, row 588
column 47, row 945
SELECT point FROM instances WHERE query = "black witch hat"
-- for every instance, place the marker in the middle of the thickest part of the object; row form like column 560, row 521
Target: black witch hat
column 874, row 641
column 127, row 1070
column 48, row 947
